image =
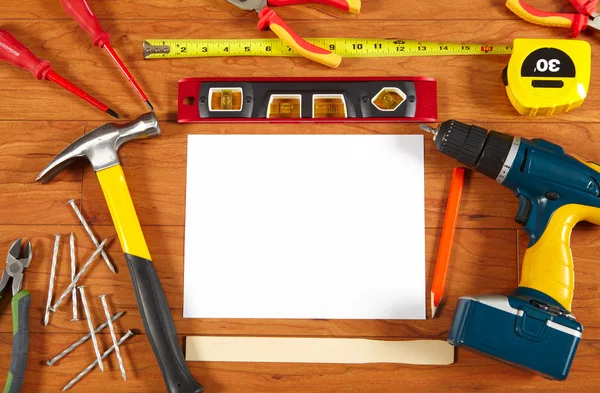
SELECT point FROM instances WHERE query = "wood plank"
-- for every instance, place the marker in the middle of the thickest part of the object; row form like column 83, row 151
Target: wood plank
column 87, row 66
column 495, row 248
column 25, row 149
column 472, row 371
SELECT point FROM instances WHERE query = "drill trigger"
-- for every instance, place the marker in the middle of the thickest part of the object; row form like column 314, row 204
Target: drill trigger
column 525, row 207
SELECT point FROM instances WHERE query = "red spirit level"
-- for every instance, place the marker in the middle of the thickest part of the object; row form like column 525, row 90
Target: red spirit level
column 295, row 100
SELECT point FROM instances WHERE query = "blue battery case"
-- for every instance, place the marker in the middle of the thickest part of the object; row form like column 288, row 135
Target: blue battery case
column 516, row 331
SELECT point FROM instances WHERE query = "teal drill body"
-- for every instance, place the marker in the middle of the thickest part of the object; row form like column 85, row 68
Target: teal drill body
column 532, row 328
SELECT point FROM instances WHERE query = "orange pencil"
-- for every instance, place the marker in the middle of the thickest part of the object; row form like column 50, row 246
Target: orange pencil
column 443, row 257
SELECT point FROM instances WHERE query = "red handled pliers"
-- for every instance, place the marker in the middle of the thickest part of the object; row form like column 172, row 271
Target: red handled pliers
column 268, row 19
column 586, row 15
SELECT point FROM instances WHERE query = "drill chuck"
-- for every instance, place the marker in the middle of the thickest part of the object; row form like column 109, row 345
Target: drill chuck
column 485, row 151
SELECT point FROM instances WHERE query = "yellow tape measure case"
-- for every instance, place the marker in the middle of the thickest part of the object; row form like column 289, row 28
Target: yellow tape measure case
column 544, row 77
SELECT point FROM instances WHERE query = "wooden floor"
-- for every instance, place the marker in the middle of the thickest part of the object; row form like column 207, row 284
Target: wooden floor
column 38, row 119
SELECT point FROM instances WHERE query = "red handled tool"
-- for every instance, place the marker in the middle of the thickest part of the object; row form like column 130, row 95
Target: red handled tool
column 586, row 15
column 17, row 54
column 81, row 12
column 268, row 19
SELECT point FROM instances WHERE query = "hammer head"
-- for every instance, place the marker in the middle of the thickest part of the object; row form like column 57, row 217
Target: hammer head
column 100, row 146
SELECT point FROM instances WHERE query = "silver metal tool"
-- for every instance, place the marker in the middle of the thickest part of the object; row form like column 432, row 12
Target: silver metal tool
column 73, row 271
column 113, row 336
column 91, row 366
column 82, row 340
column 79, row 275
column 88, row 317
column 91, row 234
column 17, row 261
column 52, row 277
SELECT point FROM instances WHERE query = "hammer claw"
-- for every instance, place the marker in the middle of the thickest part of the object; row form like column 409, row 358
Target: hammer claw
column 100, row 146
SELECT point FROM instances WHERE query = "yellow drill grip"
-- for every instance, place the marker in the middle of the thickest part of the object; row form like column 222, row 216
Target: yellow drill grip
column 123, row 212
column 548, row 264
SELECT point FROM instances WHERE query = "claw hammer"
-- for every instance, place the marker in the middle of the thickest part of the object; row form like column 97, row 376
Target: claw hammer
column 100, row 147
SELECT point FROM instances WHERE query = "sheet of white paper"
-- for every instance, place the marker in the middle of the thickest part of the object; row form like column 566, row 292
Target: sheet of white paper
column 305, row 226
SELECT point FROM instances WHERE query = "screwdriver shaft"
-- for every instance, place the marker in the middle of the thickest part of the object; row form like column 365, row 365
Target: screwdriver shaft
column 125, row 71
column 54, row 77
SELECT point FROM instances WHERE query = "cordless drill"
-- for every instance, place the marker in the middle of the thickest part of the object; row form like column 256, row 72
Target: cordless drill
column 533, row 328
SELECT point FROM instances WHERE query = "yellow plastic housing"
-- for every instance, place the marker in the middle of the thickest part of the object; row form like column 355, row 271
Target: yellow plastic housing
column 548, row 265
column 530, row 95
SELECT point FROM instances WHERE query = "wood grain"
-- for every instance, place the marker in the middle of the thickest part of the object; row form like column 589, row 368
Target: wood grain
column 471, row 372
column 89, row 67
column 210, row 10
column 38, row 120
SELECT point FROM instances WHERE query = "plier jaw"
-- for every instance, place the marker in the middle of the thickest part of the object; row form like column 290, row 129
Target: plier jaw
column 16, row 263
column 249, row 5
column 586, row 16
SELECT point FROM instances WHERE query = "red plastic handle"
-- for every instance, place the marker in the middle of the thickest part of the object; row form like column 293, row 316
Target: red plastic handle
column 577, row 22
column 585, row 7
column 81, row 12
column 17, row 54
column 352, row 6
column 269, row 19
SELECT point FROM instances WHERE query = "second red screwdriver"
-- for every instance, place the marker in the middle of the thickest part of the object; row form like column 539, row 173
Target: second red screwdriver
column 81, row 12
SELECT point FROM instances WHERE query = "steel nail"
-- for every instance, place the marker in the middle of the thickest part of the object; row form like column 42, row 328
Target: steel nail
column 91, row 366
column 83, row 339
column 78, row 276
column 73, row 268
column 90, row 233
column 88, row 317
column 113, row 336
column 52, row 278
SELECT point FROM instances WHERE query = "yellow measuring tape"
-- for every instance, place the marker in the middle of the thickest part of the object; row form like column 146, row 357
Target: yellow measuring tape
column 345, row 47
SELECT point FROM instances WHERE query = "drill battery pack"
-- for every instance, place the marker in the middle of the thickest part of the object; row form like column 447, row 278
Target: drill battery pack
column 517, row 331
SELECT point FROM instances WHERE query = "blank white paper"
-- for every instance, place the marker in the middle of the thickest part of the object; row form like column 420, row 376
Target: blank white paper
column 305, row 226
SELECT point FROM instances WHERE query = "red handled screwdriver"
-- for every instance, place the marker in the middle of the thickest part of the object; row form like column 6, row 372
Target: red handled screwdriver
column 17, row 54
column 81, row 12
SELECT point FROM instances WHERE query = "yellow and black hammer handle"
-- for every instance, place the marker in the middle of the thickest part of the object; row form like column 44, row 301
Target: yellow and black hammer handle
column 100, row 147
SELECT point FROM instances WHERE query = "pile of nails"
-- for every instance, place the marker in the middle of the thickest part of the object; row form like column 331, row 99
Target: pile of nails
column 72, row 289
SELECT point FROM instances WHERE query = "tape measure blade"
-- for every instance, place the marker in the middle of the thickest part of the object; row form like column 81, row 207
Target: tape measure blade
column 345, row 47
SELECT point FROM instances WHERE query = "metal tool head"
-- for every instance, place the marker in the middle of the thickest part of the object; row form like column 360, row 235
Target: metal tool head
column 249, row 5
column 594, row 21
column 16, row 263
column 101, row 145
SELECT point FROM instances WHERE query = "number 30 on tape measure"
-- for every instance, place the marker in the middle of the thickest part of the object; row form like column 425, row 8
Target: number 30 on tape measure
column 545, row 77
